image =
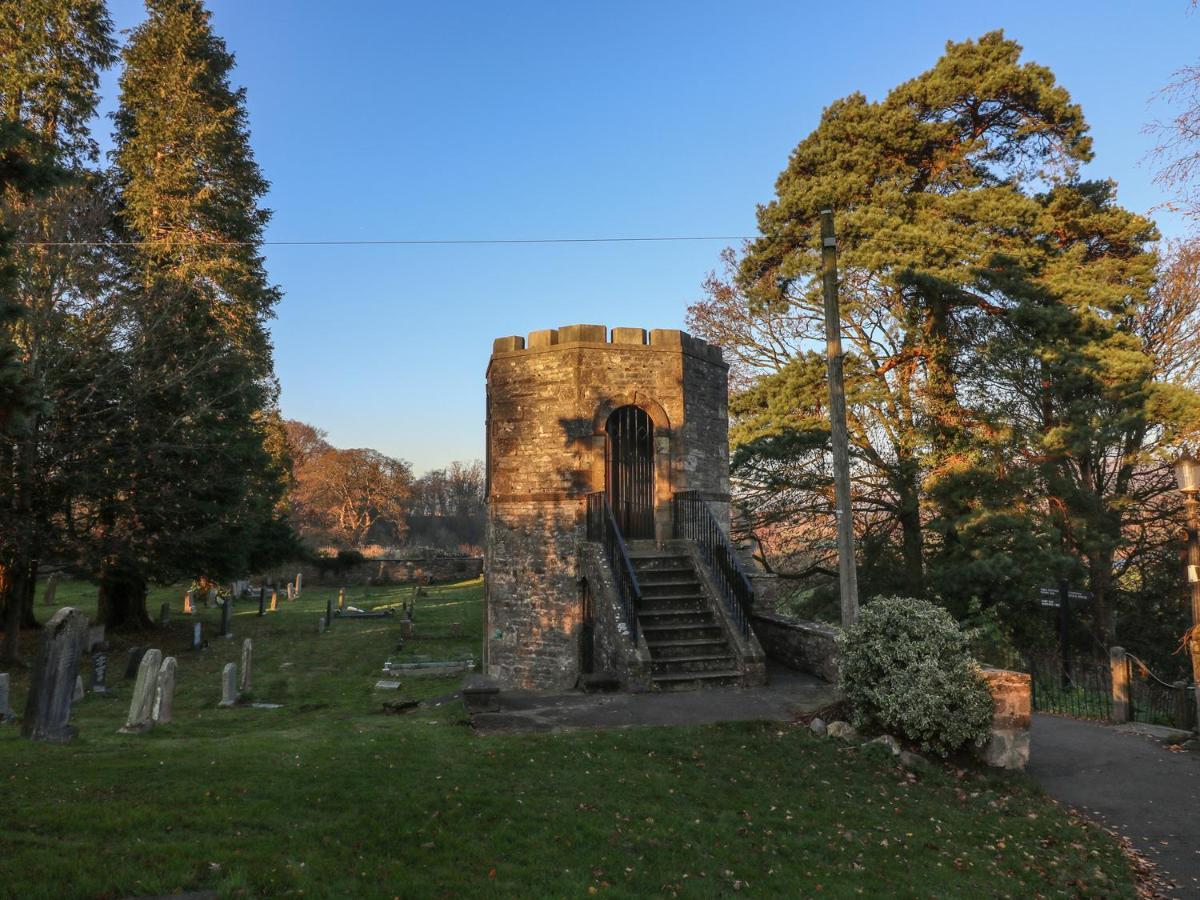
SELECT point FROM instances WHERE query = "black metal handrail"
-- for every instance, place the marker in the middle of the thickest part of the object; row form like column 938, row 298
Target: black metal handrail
column 602, row 528
column 694, row 521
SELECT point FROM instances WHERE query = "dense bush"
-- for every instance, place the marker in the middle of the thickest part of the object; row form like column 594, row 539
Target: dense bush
column 906, row 669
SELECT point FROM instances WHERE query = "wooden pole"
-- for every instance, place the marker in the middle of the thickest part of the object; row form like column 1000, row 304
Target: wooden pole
column 1192, row 512
column 847, row 571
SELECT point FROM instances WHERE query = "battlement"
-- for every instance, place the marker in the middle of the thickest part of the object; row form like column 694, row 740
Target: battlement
column 600, row 336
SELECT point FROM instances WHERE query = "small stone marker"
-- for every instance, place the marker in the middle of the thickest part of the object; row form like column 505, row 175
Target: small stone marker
column 99, row 673
column 274, row 601
column 188, row 609
column 164, row 615
column 299, row 582
column 164, row 694
column 141, row 705
column 342, row 598
column 225, row 632
column 407, row 629
column 134, row 661
column 383, row 685
column 456, row 629
column 52, row 681
column 321, row 625
column 197, row 636
column 247, row 660
column 78, row 695
column 6, row 713
column 51, row 590
column 229, row 694
column 291, row 591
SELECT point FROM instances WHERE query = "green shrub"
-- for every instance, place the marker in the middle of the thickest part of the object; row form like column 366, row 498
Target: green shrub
column 906, row 669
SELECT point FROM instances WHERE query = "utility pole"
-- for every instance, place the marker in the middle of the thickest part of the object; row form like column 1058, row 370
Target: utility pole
column 847, row 571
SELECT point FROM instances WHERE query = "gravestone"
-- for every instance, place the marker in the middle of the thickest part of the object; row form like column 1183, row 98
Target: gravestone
column 164, row 615
column 134, row 661
column 95, row 637
column 210, row 599
column 52, row 680
column 342, row 598
column 299, row 582
column 321, row 625
column 225, row 632
column 51, row 590
column 262, row 601
column 229, row 694
column 328, row 611
column 188, row 609
column 141, row 705
column 164, row 694
column 291, row 591
column 6, row 713
column 407, row 630
column 78, row 694
column 99, row 673
column 274, row 601
column 247, row 659
column 197, row 636
column 456, row 629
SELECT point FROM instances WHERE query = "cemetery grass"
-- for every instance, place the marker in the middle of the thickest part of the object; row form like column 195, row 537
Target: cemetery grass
column 329, row 797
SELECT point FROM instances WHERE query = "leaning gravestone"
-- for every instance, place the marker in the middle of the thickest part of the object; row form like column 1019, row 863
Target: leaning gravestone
column 225, row 632
column 164, row 694
column 229, row 694
column 52, row 683
column 6, row 713
column 51, row 590
column 134, row 661
column 99, row 673
column 247, row 659
column 141, row 707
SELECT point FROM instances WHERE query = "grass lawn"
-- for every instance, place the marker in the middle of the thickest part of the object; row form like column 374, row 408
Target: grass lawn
column 329, row 797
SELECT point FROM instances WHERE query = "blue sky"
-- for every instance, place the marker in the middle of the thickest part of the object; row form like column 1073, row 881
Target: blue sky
column 405, row 120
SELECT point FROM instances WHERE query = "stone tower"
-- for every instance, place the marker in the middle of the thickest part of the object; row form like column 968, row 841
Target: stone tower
column 570, row 412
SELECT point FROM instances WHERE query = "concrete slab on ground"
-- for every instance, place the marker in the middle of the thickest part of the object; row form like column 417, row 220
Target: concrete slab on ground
column 788, row 694
column 1130, row 783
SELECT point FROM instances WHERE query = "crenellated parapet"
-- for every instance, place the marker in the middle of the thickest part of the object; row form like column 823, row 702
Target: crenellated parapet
column 670, row 340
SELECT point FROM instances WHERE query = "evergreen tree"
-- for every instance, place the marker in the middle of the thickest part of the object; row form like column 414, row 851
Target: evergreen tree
column 203, row 488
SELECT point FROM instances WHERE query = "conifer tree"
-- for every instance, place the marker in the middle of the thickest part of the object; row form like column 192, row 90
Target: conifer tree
column 203, row 488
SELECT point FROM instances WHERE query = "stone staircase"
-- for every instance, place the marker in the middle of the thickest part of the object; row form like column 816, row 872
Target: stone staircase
column 688, row 645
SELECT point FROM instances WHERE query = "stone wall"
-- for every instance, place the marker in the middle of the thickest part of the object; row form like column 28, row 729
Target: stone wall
column 1012, row 708
column 548, row 402
column 806, row 646
column 394, row 571
column 613, row 651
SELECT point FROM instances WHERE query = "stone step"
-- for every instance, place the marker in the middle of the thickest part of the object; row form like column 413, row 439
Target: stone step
column 653, row 576
column 691, row 586
column 687, row 681
column 665, row 614
column 682, row 631
column 678, row 665
column 666, row 601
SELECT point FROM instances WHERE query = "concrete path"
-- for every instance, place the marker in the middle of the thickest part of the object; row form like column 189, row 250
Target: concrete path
column 1129, row 782
column 788, row 695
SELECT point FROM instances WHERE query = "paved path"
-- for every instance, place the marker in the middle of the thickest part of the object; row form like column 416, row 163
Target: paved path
column 1129, row 782
column 787, row 695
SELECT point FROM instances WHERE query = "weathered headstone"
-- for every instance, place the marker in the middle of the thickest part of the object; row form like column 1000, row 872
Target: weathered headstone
column 321, row 625
column 164, row 694
column 133, row 661
column 406, row 628
column 51, row 590
column 6, row 713
column 78, row 694
column 164, row 615
column 299, row 582
column 210, row 599
column 262, row 601
column 291, row 591
column 197, row 636
column 274, row 601
column 225, row 632
column 52, row 681
column 188, row 609
column 247, row 660
column 229, row 693
column 141, row 705
column 342, row 598
column 99, row 673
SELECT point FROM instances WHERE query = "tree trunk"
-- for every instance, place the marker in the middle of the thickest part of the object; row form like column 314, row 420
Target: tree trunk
column 122, row 602
column 12, row 615
column 912, row 539
column 1100, row 568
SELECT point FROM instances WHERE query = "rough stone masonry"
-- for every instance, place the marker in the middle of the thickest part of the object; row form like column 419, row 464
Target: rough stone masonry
column 549, row 399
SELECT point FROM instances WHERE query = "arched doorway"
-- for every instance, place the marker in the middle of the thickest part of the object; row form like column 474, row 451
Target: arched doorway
column 629, row 471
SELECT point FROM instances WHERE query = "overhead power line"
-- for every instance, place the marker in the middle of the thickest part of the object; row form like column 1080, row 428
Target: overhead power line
column 393, row 243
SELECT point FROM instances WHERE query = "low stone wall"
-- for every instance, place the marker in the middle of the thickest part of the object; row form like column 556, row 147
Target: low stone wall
column 803, row 645
column 396, row 571
column 1012, row 708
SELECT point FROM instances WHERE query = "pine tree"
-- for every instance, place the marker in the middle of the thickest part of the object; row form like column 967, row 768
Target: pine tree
column 203, row 489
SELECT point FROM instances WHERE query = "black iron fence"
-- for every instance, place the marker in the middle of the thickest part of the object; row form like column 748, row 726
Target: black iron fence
column 602, row 528
column 1158, row 702
column 1082, row 690
column 694, row 521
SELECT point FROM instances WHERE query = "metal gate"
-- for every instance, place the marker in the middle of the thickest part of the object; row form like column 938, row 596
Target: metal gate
column 629, row 478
